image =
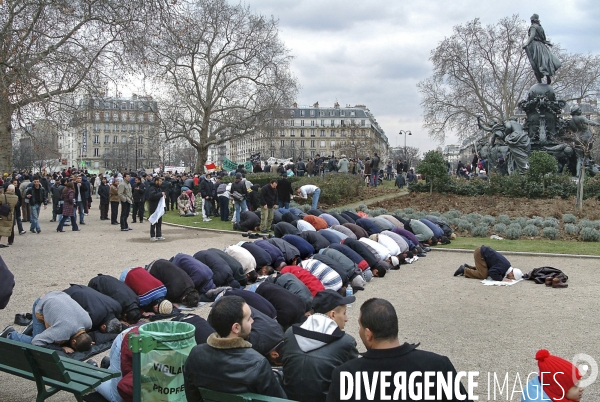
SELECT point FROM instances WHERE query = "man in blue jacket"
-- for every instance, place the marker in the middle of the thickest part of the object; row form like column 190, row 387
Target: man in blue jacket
column 489, row 262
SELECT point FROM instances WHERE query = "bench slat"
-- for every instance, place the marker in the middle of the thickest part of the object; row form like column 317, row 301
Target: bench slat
column 88, row 370
column 74, row 387
column 13, row 353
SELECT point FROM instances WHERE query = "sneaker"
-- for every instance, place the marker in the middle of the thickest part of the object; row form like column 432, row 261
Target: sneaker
column 160, row 238
column 82, row 223
column 85, row 214
column 153, row 239
column 105, row 362
column 124, row 230
column 92, row 363
column 28, row 329
column 22, row 232
column 32, row 231
column 206, row 220
column 6, row 331
column 39, row 231
column 129, row 229
column 460, row 271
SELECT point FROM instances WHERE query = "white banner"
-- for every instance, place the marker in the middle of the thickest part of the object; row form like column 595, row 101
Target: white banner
column 160, row 211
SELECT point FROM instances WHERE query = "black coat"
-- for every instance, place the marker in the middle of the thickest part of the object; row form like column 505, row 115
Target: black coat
column 235, row 266
column 138, row 192
column 284, row 190
column 404, row 358
column 290, row 308
column 261, row 256
column 268, row 196
column 315, row 239
column 117, row 290
column 254, row 300
column 362, row 250
column 283, row 228
column 177, row 282
column 289, row 252
column 207, row 189
column 154, row 196
column 103, row 192
column 7, row 283
column 335, row 265
column 496, row 262
column 249, row 220
column 222, row 274
column 101, row 308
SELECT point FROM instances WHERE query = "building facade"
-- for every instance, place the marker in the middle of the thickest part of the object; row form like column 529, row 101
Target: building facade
column 113, row 133
column 305, row 131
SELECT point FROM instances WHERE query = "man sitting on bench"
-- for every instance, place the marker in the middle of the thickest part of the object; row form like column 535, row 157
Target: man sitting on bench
column 227, row 362
column 58, row 320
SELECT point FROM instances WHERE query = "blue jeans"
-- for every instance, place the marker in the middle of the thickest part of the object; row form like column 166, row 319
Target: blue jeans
column 239, row 205
column 64, row 218
column 38, row 328
column 35, row 214
column 108, row 389
column 284, row 204
column 374, row 178
column 81, row 210
column 315, row 198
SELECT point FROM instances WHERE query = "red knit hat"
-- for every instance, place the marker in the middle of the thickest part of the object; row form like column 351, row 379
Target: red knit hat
column 556, row 374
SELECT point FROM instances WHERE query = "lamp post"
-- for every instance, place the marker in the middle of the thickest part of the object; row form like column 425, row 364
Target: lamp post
column 405, row 133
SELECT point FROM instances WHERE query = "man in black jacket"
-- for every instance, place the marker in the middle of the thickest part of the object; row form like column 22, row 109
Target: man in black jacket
column 207, row 191
column 166, row 187
column 268, row 201
column 378, row 329
column 284, row 192
column 155, row 193
column 227, row 362
column 138, row 190
column 117, row 290
column 180, row 287
column 489, row 262
column 104, row 311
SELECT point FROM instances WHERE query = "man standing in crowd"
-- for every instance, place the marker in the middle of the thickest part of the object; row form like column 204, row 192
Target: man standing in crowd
column 80, row 199
column 268, row 202
column 138, row 191
column 25, row 205
column 378, row 329
column 284, row 192
column 155, row 193
column 227, row 362
column 314, row 348
column 374, row 169
column 126, row 198
column 36, row 196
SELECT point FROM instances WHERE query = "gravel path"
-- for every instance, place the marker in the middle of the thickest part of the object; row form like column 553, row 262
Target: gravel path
column 487, row 329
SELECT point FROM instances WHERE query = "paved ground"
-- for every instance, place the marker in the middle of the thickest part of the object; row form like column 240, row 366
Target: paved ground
column 485, row 329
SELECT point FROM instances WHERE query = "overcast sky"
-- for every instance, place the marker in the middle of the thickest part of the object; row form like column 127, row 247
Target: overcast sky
column 375, row 52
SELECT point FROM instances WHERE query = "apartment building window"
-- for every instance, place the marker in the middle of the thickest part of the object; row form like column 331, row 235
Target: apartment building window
column 352, row 114
column 312, row 154
column 96, row 151
column 107, row 139
column 332, row 123
column 342, row 113
column 322, row 113
column 301, row 143
column 96, row 127
column 124, row 127
column 332, row 144
column 115, row 127
column 115, row 116
column 352, row 122
column 331, row 113
column 302, row 133
column 353, row 132
column 106, row 127
column 292, row 122
column 123, row 139
column 132, row 127
column 322, row 133
column 140, row 153
column 312, row 123
column 322, row 122
column 151, row 117
column 322, row 144
column 363, row 133
column 362, row 123
column 140, row 117
column 312, row 132
column 141, row 140
column 302, row 123
column 106, row 115
column 302, row 113
column 97, row 115
column 312, row 143
column 282, row 143
column 282, row 133
column 292, row 113
column 332, row 133
column 272, row 153
column 292, row 133
column 343, row 133
column 292, row 143
column 96, row 139
column 115, row 139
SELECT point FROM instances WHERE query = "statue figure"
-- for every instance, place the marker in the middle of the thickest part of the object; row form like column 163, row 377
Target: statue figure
column 513, row 136
column 579, row 126
column 543, row 61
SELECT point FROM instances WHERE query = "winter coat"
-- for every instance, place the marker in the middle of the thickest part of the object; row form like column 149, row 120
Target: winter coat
column 275, row 254
column 100, row 307
column 114, row 194
column 363, row 251
column 6, row 222
column 344, row 230
column 266, row 333
column 335, row 265
column 304, row 248
column 539, row 275
column 254, row 300
column 347, row 264
column 207, row 188
column 317, row 222
column 183, row 204
column 332, row 236
column 222, row 274
column 268, row 196
column 311, row 352
column 328, row 277
column 358, row 231
column 261, row 257
column 117, row 290
column 236, row 268
column 68, row 198
column 177, row 282
column 441, row 223
column 7, row 283
column 369, row 226
column 290, row 308
column 33, row 200
column 310, row 167
column 228, row 365
column 329, row 219
column 341, row 220
column 249, row 220
column 312, row 283
column 148, row 288
column 356, row 258
column 315, row 239
column 343, row 165
column 421, row 231
column 289, row 251
column 282, row 229
column 294, row 285
column 201, row 275
column 240, row 187
column 138, row 191
column 497, row 264
column 252, row 198
column 154, row 196
column 437, row 231
column 104, row 193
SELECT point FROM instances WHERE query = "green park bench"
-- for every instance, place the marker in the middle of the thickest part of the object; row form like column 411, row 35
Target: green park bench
column 50, row 372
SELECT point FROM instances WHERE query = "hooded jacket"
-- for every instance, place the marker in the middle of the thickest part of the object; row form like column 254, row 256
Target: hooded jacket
column 316, row 240
column 222, row 274
column 289, row 252
column 199, row 273
column 177, row 282
column 228, row 365
column 115, row 289
column 311, row 352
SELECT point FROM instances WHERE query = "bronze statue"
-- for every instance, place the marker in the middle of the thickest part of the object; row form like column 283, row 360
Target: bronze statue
column 513, row 136
column 543, row 61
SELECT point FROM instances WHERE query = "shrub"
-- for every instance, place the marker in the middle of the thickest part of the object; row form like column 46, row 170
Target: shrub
column 488, row 220
column 586, row 223
column 569, row 218
column 514, row 231
column 473, row 218
column 464, row 225
column 418, row 215
column 537, row 221
column 531, row 230
column 480, row 231
column 589, row 234
column 521, row 221
column 541, row 165
column 504, row 219
column 550, row 223
column 434, row 213
column 550, row 233
column 571, row 229
column 597, row 224
column 499, row 228
column 378, row 211
column 362, row 207
column 433, row 167
column 409, row 211
column 453, row 221
column 398, row 212
column 453, row 213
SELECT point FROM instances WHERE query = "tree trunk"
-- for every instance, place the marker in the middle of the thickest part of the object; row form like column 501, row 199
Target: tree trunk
column 6, row 155
column 202, row 155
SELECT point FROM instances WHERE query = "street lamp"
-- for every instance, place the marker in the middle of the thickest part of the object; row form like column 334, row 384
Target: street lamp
column 405, row 133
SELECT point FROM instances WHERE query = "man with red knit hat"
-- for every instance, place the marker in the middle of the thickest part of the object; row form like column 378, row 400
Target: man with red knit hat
column 557, row 381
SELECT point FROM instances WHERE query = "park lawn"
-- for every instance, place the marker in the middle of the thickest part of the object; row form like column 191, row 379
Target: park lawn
column 532, row 246
column 196, row 221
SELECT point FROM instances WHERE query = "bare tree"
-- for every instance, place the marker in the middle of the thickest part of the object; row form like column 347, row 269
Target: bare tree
column 483, row 70
column 224, row 72
column 52, row 48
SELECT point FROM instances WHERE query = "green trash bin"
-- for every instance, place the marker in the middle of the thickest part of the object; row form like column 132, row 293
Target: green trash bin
column 162, row 367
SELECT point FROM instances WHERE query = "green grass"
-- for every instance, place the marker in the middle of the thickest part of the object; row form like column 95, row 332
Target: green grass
column 196, row 221
column 532, row 246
